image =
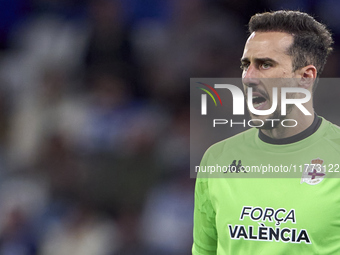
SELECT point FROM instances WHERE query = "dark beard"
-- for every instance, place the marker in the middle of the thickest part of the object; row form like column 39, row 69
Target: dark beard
column 268, row 125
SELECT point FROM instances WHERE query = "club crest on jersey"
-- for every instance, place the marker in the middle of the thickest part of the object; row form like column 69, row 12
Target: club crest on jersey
column 314, row 172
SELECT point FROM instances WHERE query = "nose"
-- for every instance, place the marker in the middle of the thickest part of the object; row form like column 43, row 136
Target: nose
column 250, row 76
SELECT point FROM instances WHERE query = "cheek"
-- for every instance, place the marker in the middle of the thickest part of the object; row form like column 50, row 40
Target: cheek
column 284, row 73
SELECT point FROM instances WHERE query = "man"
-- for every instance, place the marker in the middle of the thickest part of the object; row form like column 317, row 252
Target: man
column 275, row 215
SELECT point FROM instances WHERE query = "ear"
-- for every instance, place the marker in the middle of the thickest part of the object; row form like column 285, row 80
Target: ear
column 307, row 76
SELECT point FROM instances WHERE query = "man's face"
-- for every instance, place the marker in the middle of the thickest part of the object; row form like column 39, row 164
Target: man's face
column 265, row 65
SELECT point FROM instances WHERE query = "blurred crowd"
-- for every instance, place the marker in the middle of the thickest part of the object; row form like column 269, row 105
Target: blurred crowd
column 94, row 113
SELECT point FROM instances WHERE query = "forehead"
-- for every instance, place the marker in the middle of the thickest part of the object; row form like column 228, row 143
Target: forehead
column 267, row 44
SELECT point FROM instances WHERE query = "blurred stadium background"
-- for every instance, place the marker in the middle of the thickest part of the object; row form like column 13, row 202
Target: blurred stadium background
column 94, row 113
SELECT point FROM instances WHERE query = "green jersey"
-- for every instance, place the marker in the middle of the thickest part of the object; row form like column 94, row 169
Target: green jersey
column 269, row 198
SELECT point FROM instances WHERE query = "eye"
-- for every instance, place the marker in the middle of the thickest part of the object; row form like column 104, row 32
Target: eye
column 266, row 65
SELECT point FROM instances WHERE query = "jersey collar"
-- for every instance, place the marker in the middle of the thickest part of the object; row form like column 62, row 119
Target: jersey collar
column 295, row 138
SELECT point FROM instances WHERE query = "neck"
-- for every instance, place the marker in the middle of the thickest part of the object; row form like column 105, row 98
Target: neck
column 303, row 122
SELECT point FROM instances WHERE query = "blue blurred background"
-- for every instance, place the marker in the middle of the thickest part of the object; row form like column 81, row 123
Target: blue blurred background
column 94, row 113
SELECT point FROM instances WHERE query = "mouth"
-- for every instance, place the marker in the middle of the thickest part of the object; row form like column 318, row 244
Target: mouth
column 259, row 101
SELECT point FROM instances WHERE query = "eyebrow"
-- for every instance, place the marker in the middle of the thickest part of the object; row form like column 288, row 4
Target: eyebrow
column 260, row 60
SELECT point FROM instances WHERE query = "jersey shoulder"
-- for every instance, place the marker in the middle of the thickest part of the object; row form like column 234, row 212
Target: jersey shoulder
column 332, row 134
column 332, row 129
column 244, row 138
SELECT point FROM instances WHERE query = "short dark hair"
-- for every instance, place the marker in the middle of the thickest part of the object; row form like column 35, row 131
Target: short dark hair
column 312, row 41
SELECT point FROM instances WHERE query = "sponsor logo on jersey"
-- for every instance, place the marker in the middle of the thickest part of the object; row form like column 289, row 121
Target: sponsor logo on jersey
column 314, row 172
column 261, row 232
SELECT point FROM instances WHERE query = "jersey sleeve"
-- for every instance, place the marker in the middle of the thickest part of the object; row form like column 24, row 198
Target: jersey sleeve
column 204, row 234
